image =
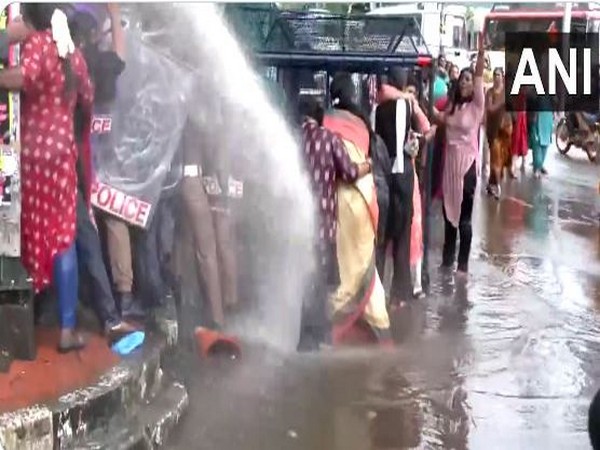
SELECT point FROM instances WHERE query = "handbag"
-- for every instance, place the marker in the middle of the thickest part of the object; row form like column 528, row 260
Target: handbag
column 412, row 146
column 412, row 143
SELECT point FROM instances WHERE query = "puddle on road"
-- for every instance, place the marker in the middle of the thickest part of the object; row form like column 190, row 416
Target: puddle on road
column 507, row 361
column 488, row 363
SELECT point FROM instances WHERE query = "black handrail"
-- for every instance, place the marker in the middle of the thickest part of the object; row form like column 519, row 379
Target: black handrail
column 301, row 38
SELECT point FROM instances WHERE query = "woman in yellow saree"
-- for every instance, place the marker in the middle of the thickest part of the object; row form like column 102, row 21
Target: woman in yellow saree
column 359, row 304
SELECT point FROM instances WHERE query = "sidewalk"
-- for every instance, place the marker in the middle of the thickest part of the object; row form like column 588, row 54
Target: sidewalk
column 53, row 374
column 92, row 398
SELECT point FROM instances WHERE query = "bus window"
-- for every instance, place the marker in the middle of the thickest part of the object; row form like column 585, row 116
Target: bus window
column 455, row 31
column 459, row 36
column 456, row 36
column 496, row 29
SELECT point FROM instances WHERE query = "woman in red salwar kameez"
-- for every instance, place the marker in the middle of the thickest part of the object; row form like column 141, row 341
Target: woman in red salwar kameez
column 520, row 140
column 53, row 78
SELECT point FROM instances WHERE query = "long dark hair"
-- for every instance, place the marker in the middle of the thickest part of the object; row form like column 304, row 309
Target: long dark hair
column 39, row 16
column 309, row 106
column 342, row 92
column 83, row 25
column 452, row 88
column 457, row 98
column 400, row 78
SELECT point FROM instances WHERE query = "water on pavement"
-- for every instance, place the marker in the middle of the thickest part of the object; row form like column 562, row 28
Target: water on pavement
column 507, row 361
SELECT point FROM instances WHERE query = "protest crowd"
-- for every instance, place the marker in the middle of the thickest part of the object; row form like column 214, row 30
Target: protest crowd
column 366, row 157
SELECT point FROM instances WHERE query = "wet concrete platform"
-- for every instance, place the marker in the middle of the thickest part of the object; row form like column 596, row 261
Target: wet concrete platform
column 53, row 374
column 507, row 360
column 92, row 398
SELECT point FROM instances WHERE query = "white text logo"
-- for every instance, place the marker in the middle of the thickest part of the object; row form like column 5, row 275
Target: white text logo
column 556, row 66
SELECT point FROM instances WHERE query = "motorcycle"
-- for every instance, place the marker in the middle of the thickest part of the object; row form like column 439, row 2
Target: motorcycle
column 569, row 133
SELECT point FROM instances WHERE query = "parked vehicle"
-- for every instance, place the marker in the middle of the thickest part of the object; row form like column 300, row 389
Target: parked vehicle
column 580, row 130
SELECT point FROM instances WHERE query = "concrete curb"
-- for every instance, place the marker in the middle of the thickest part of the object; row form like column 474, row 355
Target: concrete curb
column 121, row 394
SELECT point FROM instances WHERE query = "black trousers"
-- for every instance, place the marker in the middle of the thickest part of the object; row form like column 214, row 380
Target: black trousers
column 92, row 268
column 315, row 325
column 464, row 226
column 399, row 225
column 151, row 280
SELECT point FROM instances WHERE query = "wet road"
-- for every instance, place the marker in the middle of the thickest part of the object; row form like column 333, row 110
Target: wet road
column 508, row 361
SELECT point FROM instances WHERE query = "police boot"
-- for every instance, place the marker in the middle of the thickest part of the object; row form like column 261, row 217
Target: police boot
column 130, row 307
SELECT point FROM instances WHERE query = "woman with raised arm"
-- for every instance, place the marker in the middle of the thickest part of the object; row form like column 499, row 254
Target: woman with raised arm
column 461, row 119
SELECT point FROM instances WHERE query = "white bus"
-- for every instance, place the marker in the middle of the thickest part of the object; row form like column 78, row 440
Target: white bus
column 442, row 25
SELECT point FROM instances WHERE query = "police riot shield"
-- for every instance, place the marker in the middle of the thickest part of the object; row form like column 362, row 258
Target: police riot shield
column 135, row 138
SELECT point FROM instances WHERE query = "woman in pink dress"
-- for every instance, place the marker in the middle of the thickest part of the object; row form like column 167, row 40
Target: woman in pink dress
column 462, row 119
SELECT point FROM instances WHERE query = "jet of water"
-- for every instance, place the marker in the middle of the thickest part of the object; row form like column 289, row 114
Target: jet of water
column 230, row 105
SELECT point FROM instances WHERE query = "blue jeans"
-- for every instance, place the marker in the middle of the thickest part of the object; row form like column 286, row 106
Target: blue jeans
column 66, row 282
column 92, row 267
column 151, row 279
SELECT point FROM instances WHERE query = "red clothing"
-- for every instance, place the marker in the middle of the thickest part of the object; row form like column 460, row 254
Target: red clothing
column 520, row 144
column 416, row 227
column 441, row 103
column 49, row 153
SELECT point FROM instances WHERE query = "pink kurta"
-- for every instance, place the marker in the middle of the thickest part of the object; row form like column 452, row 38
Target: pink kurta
column 416, row 229
column 462, row 149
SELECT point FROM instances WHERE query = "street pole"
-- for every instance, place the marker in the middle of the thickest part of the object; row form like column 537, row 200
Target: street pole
column 566, row 29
